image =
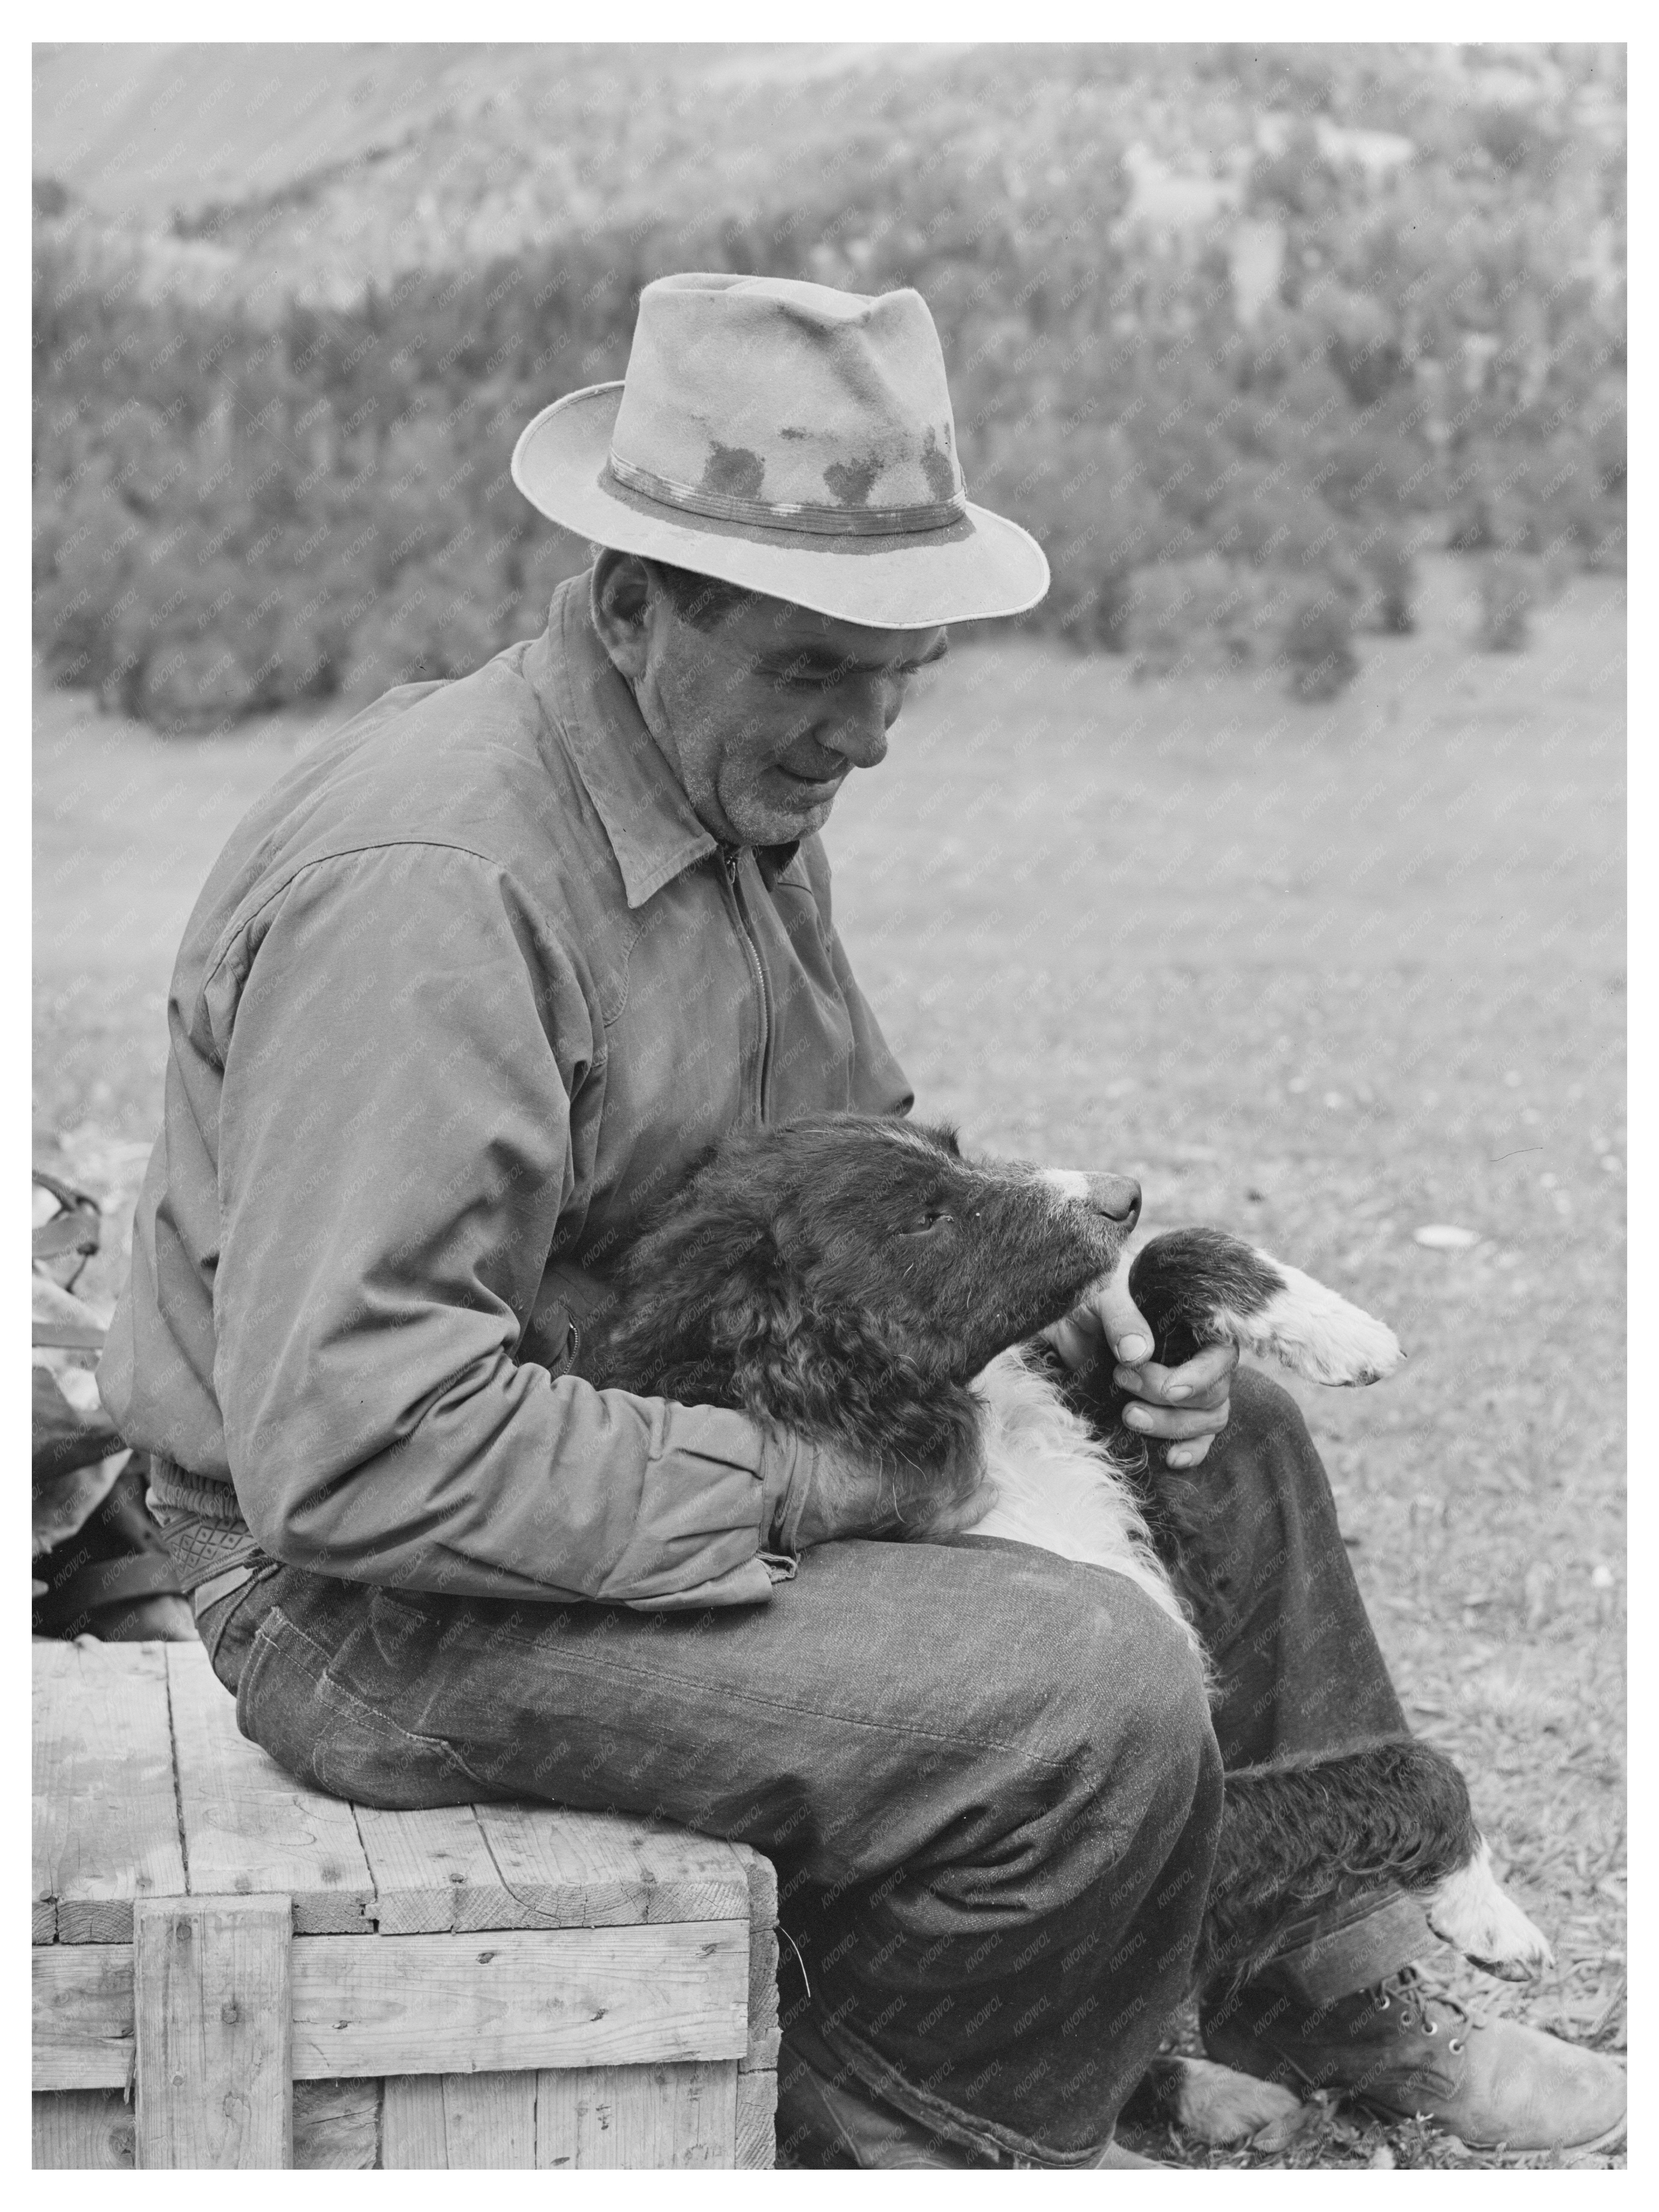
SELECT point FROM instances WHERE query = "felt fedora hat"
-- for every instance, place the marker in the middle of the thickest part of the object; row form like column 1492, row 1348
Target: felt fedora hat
column 789, row 438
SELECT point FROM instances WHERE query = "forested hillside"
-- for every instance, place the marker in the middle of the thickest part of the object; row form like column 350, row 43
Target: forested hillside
column 1234, row 331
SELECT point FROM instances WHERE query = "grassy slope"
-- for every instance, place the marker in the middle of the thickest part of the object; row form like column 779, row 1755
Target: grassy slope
column 1321, row 974
column 315, row 166
column 337, row 163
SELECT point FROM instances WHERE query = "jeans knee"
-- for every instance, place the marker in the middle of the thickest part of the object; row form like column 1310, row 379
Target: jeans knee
column 1134, row 1695
column 1263, row 1411
column 1267, row 1476
column 1170, row 1708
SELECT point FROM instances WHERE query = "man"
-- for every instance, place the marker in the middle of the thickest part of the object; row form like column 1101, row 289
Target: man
column 466, row 992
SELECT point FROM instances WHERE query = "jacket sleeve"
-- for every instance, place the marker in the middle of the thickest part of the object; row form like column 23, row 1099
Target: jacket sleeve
column 393, row 1158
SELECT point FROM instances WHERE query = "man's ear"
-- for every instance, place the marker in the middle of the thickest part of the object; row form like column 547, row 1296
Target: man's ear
column 619, row 597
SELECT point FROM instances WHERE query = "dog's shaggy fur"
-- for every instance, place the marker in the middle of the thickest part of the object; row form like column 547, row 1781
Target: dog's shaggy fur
column 849, row 1277
column 1302, row 1833
column 858, row 1281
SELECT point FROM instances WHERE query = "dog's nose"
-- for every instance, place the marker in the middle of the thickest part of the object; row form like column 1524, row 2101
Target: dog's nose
column 1118, row 1197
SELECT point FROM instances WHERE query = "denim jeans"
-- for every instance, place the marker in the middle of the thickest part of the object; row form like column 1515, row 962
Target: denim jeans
column 990, row 1778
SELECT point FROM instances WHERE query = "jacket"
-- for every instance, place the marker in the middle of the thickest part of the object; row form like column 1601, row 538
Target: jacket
column 466, row 992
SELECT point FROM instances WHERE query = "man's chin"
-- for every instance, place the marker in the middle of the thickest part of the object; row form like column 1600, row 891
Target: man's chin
column 772, row 824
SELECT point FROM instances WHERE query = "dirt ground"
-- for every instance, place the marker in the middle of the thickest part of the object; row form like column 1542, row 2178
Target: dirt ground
column 1327, row 976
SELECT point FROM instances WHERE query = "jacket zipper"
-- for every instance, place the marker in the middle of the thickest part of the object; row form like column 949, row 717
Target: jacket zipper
column 729, row 861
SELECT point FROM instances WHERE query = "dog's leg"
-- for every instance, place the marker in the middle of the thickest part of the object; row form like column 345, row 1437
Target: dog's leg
column 1200, row 1286
column 1215, row 2103
column 1302, row 1835
column 1469, row 1910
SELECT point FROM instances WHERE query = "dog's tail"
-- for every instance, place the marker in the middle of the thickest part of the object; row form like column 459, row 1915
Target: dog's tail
column 1197, row 1287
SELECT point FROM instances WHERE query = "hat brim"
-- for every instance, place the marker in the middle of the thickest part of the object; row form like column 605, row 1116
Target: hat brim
column 976, row 568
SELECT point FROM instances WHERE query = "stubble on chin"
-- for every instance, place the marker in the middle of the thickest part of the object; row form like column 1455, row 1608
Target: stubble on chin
column 762, row 823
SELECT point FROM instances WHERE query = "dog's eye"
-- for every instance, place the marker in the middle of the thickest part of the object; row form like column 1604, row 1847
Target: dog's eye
column 928, row 1219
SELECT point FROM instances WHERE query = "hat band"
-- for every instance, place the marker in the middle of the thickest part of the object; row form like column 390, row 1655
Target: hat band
column 763, row 515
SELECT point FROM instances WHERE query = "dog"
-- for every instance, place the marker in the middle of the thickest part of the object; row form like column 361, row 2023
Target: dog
column 858, row 1279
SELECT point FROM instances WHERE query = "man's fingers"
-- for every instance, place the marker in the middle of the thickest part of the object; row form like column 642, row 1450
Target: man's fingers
column 1205, row 1370
column 1188, row 1454
column 1125, row 1324
column 1204, row 1380
column 1178, row 1423
column 1173, row 1386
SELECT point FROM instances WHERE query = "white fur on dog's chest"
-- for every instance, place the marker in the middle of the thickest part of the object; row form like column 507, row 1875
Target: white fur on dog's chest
column 1056, row 1484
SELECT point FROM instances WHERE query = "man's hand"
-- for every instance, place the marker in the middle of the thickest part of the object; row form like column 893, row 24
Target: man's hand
column 1185, row 1406
column 842, row 1496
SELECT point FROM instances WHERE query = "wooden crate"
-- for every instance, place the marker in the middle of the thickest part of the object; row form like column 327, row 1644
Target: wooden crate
column 231, row 1969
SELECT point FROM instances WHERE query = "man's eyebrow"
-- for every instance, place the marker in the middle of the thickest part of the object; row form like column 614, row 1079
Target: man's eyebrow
column 818, row 658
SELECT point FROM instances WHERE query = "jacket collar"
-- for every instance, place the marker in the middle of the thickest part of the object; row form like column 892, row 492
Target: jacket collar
column 647, row 818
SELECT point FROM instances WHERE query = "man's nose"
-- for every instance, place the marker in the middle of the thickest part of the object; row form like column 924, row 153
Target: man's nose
column 863, row 715
column 1118, row 1197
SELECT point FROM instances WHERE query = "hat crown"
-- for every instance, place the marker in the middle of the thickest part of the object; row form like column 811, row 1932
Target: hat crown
column 758, row 397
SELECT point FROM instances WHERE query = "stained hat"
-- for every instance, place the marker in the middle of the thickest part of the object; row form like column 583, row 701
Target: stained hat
column 793, row 440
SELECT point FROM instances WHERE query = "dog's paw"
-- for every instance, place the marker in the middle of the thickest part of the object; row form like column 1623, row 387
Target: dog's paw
column 1316, row 1333
column 1219, row 2105
column 1470, row 1910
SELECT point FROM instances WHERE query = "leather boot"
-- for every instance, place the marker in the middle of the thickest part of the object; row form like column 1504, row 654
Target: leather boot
column 1406, row 2049
column 828, row 2118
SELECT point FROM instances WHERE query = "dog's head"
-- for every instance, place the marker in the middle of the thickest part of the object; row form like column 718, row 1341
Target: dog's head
column 865, row 1245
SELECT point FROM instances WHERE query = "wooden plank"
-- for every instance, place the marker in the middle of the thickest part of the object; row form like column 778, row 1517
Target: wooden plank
column 489, row 2119
column 432, row 1872
column 764, row 2034
column 758, row 2118
column 465, row 1867
column 337, row 2125
column 106, row 1818
column 83, row 2035
column 81, row 2128
column 435, row 2121
column 405, row 2004
column 412, row 2137
column 251, row 1830
column 453, row 2004
column 601, row 1869
column 211, row 1998
column 680, row 2117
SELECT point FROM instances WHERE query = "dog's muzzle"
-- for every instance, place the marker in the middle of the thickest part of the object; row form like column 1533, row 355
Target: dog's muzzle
column 1116, row 1197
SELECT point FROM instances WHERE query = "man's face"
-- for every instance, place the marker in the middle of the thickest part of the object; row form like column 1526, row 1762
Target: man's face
column 764, row 716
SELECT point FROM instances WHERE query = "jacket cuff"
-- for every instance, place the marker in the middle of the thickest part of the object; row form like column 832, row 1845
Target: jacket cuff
column 749, row 1583
column 788, row 1463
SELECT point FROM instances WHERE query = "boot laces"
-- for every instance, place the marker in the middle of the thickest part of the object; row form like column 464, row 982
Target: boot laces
column 1426, row 2006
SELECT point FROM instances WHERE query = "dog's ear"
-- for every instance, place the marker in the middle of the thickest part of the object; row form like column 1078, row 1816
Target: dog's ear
column 796, row 1361
column 688, row 1295
column 825, row 1371
column 748, row 1326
